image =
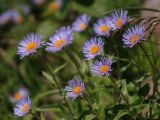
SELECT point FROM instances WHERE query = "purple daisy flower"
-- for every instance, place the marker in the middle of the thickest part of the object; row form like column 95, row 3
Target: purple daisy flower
column 63, row 37
column 21, row 93
column 81, row 23
column 93, row 47
column 133, row 35
column 75, row 89
column 102, row 67
column 119, row 18
column 29, row 44
column 22, row 107
column 103, row 27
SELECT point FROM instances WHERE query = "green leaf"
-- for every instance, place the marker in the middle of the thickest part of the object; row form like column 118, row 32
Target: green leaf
column 120, row 114
column 90, row 117
column 59, row 68
column 49, row 77
column 124, row 88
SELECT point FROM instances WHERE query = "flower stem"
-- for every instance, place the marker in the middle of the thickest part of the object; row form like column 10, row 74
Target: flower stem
column 56, row 82
column 35, row 116
column 50, row 72
column 144, row 51
column 89, row 103
column 123, row 96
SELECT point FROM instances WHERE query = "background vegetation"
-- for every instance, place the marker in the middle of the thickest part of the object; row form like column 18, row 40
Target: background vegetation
column 130, row 70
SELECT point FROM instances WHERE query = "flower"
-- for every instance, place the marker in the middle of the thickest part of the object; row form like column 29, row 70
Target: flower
column 5, row 17
column 103, row 27
column 55, row 5
column 21, row 93
column 93, row 47
column 16, row 17
column 29, row 44
column 81, row 23
column 22, row 107
column 75, row 88
column 119, row 18
column 63, row 37
column 102, row 67
column 133, row 35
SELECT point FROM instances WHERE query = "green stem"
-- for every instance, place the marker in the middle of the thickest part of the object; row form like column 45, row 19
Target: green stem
column 144, row 51
column 50, row 72
column 57, row 84
column 123, row 96
column 89, row 103
column 133, row 8
column 35, row 116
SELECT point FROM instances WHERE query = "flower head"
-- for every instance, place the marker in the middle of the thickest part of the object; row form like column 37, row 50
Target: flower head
column 29, row 44
column 102, row 67
column 81, row 23
column 63, row 37
column 93, row 48
column 75, row 89
column 103, row 27
column 119, row 18
column 22, row 107
column 133, row 36
column 21, row 93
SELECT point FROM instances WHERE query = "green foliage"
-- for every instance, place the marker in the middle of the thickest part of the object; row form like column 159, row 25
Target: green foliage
column 106, row 101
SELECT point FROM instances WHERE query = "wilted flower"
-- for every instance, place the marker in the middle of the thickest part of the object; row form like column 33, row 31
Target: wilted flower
column 22, row 107
column 55, row 5
column 119, row 18
column 81, row 23
column 102, row 67
column 75, row 88
column 93, row 47
column 29, row 44
column 103, row 27
column 63, row 37
column 21, row 93
column 133, row 35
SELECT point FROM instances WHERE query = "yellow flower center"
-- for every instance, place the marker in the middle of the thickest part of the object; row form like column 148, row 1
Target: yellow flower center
column 59, row 43
column 135, row 38
column 25, row 108
column 119, row 22
column 54, row 6
column 95, row 49
column 104, row 68
column 18, row 96
column 77, row 90
column 83, row 26
column 31, row 46
column 104, row 28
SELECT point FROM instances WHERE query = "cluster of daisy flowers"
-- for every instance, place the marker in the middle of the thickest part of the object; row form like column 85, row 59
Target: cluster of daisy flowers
column 91, row 49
